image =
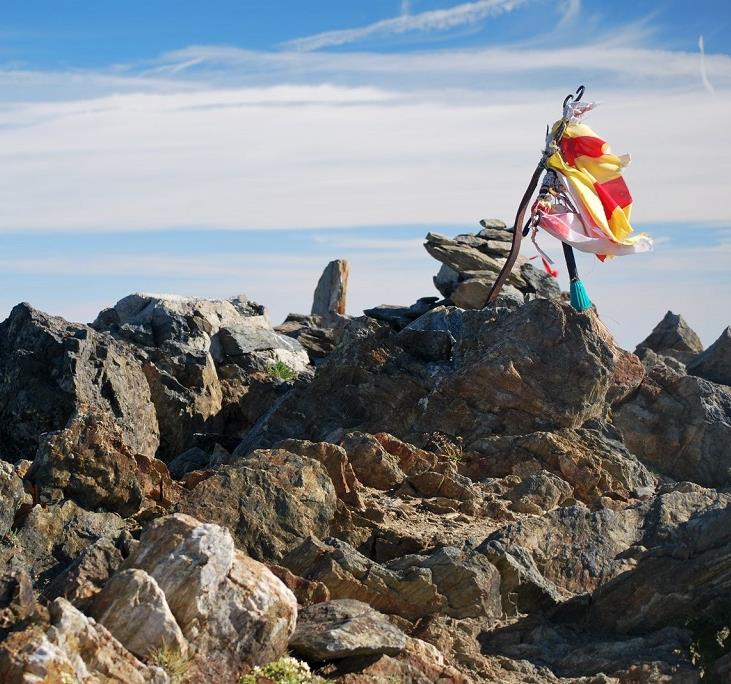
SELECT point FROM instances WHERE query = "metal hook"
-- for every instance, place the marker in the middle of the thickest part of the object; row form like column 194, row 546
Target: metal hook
column 579, row 93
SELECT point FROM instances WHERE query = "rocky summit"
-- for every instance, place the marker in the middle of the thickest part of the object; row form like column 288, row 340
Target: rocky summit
column 441, row 491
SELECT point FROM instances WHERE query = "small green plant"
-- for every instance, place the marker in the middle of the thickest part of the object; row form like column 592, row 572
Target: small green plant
column 285, row 670
column 172, row 661
column 450, row 447
column 282, row 371
column 13, row 538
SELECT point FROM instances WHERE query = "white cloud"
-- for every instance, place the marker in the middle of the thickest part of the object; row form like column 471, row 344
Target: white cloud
column 433, row 20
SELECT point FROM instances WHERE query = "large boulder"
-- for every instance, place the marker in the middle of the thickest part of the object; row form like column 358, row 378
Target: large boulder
column 206, row 361
column 90, row 463
column 71, row 648
column 507, row 373
column 269, row 500
column 231, row 609
column 679, row 425
column 714, row 363
column 49, row 368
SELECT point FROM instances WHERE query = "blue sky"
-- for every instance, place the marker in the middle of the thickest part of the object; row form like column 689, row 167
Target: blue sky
column 216, row 148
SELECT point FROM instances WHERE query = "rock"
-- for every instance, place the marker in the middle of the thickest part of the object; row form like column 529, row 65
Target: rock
column 523, row 589
column 133, row 608
column 427, row 345
column 594, row 465
column 269, row 501
column 62, row 366
column 507, row 375
column 714, row 363
column 17, row 598
column 71, row 648
column 495, row 229
column 469, row 584
column 318, row 335
column 232, row 610
column 79, row 582
column 680, row 425
column 540, row 492
column 574, row 548
column 345, row 628
column 446, row 280
column 332, row 289
column 348, row 574
column 12, row 495
column 335, row 460
column 306, row 592
column 206, row 361
column 400, row 316
column 463, row 258
column 540, row 283
column 372, row 464
column 54, row 536
column 90, row 463
column 472, row 293
column 687, row 580
column 672, row 336
column 191, row 459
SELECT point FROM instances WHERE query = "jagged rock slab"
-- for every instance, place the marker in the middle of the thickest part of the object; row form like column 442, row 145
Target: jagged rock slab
column 12, row 496
column 61, row 366
column 332, row 289
column 672, row 336
column 345, row 628
column 714, row 363
column 680, row 425
column 269, row 501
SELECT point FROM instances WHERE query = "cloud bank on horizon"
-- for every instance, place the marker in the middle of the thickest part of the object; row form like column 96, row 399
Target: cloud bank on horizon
column 429, row 112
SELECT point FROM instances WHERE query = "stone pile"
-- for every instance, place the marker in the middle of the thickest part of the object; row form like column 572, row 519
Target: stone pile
column 472, row 262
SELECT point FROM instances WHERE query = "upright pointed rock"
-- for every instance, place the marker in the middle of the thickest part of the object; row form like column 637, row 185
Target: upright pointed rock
column 332, row 289
column 672, row 336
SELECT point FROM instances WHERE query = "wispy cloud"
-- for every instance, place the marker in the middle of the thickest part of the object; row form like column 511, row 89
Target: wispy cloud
column 704, row 75
column 433, row 20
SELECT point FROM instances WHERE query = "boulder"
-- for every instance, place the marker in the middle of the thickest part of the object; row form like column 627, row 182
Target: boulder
column 345, row 628
column 231, row 609
column 372, row 464
column 507, row 373
column 201, row 358
column 133, row 608
column 672, row 336
column 540, row 492
column 71, row 648
column 348, row 574
column 17, row 597
column 398, row 317
column 90, row 463
column 335, row 460
column 332, row 289
column 318, row 335
column 269, row 501
column 679, row 425
column 12, row 496
column 62, row 366
column 714, row 363
column 52, row 537
column 446, row 280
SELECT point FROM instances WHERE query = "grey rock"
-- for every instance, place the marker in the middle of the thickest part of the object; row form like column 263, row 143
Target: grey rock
column 446, row 280
column 191, row 459
column 540, row 492
column 62, row 366
column 539, row 283
column 401, row 316
column 332, row 289
column 714, row 363
column 672, row 336
column 269, row 501
column 54, row 536
column 345, row 628
column 463, row 258
column 680, row 425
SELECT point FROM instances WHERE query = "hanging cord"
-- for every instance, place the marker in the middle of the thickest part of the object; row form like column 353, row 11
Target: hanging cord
column 552, row 140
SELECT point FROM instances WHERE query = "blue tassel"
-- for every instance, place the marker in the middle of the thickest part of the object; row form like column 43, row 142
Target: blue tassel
column 579, row 299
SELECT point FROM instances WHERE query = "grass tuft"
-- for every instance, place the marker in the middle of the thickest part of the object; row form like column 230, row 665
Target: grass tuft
column 285, row 670
column 282, row 371
column 172, row 661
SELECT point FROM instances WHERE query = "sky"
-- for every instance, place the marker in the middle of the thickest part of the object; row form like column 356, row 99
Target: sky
column 211, row 149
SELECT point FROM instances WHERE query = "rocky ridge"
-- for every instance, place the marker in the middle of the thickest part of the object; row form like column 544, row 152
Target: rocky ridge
column 437, row 492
